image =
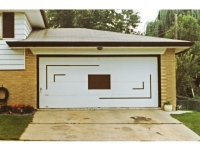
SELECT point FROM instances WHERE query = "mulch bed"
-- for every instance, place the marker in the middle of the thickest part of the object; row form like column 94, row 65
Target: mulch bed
column 17, row 109
column 18, row 114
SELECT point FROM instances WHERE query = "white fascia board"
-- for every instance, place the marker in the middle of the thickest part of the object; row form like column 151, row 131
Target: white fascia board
column 104, row 51
column 94, row 51
column 180, row 49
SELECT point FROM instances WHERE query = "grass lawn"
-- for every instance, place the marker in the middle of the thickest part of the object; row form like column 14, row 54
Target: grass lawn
column 12, row 126
column 191, row 120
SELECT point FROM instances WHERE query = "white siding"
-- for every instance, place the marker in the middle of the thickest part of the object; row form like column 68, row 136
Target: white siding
column 14, row 59
column 22, row 26
column 11, row 59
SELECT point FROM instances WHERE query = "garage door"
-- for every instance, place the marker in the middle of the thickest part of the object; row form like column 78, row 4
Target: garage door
column 77, row 82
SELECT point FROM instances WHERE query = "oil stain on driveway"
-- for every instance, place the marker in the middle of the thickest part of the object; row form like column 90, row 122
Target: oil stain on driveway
column 106, row 125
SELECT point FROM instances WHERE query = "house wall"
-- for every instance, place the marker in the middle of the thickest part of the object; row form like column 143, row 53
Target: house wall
column 14, row 59
column 22, row 84
column 168, row 77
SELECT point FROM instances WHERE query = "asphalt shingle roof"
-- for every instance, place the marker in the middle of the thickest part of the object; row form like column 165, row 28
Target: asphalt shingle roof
column 63, row 37
column 90, row 35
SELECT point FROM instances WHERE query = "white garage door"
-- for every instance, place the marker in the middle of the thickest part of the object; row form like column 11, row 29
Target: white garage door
column 76, row 82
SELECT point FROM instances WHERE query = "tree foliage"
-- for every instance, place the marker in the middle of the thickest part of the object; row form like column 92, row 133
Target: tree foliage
column 187, row 64
column 196, row 51
column 186, row 69
column 165, row 19
column 162, row 23
column 188, row 29
column 110, row 20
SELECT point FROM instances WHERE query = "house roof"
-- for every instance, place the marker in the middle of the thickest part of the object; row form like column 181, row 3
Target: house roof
column 81, row 37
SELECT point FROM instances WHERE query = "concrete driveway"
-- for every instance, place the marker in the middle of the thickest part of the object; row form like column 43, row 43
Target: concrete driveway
column 106, row 125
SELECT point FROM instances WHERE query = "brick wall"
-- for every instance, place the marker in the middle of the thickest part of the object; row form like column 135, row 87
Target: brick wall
column 168, row 77
column 22, row 84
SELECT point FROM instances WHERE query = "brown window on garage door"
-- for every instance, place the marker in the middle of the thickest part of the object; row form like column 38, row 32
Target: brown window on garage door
column 8, row 25
column 96, row 82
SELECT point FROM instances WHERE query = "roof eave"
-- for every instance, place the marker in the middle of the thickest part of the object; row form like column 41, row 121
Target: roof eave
column 93, row 43
column 44, row 18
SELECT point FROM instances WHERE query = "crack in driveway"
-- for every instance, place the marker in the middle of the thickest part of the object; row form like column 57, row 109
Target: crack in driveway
column 105, row 123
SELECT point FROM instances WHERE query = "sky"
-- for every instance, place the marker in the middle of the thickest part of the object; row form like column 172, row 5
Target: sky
column 148, row 9
column 146, row 16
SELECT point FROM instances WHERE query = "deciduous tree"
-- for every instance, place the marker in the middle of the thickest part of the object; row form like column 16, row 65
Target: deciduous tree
column 186, row 70
column 188, row 29
column 111, row 20
column 187, row 64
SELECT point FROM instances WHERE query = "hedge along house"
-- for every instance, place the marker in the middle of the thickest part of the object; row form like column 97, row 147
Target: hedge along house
column 80, row 68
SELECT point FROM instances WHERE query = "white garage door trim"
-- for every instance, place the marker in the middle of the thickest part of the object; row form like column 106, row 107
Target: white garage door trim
column 144, row 93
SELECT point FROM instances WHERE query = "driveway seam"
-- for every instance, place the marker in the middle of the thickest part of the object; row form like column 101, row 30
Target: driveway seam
column 105, row 123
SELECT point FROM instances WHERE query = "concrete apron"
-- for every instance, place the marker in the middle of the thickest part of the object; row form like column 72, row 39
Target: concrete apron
column 106, row 125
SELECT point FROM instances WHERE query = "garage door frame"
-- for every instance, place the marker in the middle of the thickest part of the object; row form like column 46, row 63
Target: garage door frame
column 158, row 71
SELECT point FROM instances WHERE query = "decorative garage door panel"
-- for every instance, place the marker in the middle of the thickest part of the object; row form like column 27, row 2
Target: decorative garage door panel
column 75, row 82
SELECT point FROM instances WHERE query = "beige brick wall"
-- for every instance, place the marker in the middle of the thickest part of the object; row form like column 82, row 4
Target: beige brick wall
column 22, row 84
column 168, row 77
